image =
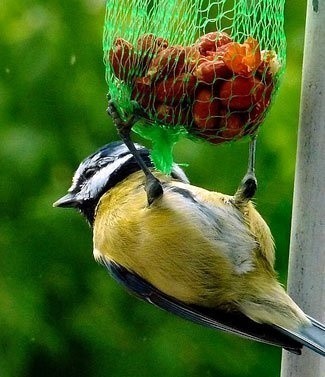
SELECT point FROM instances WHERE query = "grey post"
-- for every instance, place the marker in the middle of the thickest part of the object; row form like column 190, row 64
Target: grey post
column 306, row 280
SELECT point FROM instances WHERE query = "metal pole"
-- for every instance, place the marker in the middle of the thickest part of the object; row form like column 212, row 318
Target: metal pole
column 306, row 283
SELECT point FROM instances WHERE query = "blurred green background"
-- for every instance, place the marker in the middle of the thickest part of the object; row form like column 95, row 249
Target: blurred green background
column 60, row 312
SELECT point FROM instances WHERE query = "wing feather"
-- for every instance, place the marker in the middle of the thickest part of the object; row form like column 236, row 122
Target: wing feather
column 233, row 322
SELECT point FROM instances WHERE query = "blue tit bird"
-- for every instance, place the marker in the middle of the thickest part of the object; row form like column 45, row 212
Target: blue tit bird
column 205, row 256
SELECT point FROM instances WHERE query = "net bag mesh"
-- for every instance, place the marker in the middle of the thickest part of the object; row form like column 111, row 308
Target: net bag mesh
column 196, row 68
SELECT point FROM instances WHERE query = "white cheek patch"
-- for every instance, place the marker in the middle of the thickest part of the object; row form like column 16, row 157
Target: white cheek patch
column 99, row 180
column 75, row 180
column 95, row 184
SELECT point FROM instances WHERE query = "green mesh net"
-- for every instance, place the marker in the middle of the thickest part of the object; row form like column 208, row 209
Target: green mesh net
column 196, row 68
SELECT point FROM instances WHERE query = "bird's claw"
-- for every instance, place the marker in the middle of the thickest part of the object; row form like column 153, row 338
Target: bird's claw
column 249, row 185
column 153, row 186
column 123, row 127
column 153, row 189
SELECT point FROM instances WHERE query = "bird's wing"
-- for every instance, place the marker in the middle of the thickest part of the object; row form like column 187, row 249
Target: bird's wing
column 233, row 322
column 248, row 229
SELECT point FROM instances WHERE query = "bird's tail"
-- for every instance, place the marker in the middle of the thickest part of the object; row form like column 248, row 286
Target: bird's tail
column 275, row 307
column 312, row 336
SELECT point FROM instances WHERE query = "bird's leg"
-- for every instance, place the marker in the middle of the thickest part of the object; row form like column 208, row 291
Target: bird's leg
column 248, row 185
column 153, row 186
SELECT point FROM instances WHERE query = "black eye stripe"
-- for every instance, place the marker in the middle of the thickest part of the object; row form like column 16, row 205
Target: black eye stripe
column 89, row 172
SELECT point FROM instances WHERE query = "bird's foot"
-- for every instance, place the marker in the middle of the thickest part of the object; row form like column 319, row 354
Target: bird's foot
column 153, row 186
column 249, row 185
column 153, row 189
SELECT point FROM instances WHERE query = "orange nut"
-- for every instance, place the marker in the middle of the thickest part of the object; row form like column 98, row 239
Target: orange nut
column 192, row 56
column 170, row 61
column 151, row 44
column 148, row 45
column 211, row 70
column 232, row 126
column 211, row 41
column 240, row 93
column 122, row 58
column 257, row 113
column 243, row 58
column 174, row 90
column 142, row 93
column 206, row 109
column 173, row 115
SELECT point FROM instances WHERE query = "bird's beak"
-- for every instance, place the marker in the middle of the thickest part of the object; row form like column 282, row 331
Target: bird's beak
column 69, row 200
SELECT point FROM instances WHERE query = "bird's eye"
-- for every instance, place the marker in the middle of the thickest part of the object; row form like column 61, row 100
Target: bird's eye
column 89, row 173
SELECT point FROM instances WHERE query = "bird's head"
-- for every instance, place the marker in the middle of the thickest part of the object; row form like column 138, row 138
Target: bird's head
column 101, row 171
